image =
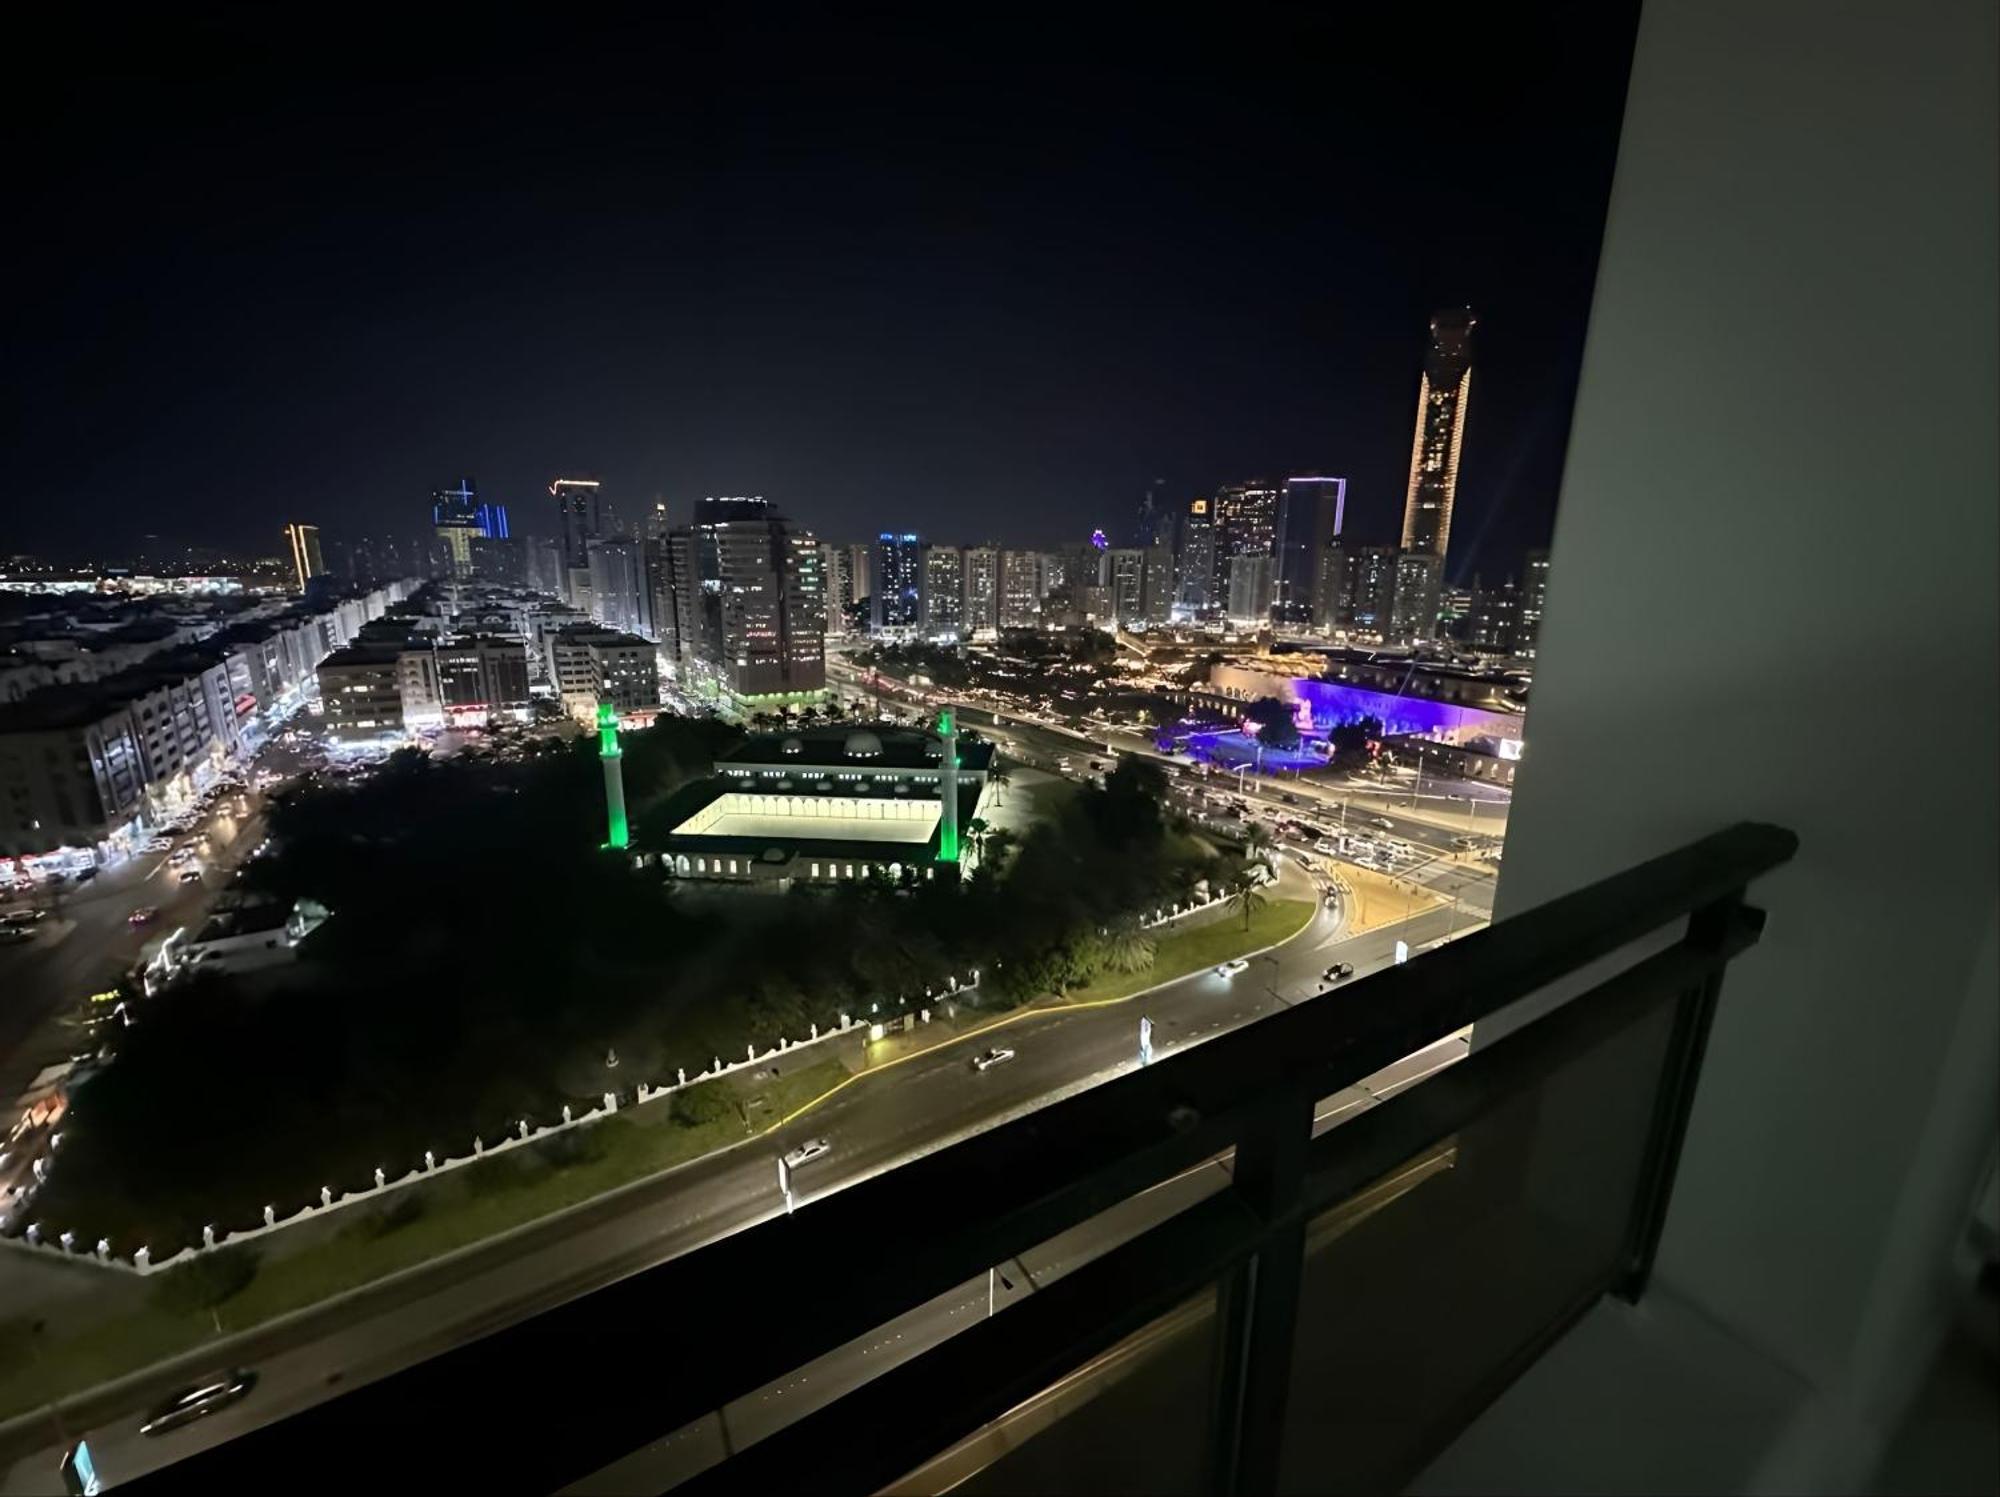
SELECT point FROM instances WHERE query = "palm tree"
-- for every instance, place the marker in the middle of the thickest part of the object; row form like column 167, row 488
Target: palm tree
column 998, row 776
column 1127, row 948
column 977, row 829
column 1255, row 839
column 1247, row 896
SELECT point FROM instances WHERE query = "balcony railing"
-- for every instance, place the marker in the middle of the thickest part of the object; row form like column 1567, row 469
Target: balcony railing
column 1306, row 1293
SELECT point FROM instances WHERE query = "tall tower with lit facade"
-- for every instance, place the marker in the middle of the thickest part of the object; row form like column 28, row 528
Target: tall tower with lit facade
column 306, row 562
column 1441, row 403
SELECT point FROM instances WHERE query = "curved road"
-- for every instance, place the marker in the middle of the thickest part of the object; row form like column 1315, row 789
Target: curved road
column 374, row 1330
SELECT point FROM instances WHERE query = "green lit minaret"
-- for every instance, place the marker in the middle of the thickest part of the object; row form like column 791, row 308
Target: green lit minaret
column 614, row 775
column 947, row 726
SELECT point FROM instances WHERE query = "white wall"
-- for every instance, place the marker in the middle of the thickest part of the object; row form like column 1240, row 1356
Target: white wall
column 1773, row 597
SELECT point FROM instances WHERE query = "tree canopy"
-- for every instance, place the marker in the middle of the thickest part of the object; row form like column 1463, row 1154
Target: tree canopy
column 1275, row 725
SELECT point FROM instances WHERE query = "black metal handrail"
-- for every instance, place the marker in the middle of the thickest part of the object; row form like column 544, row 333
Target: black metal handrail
column 556, row 1397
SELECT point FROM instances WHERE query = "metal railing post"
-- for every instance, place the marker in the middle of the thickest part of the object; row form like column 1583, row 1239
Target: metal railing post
column 1257, row 1306
column 1708, row 928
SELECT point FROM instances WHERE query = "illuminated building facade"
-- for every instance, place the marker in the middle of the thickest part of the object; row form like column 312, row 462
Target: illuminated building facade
column 1195, row 592
column 458, row 519
column 1442, row 397
column 982, row 590
column 1310, row 512
column 943, row 591
column 306, row 561
column 749, row 601
column 897, row 600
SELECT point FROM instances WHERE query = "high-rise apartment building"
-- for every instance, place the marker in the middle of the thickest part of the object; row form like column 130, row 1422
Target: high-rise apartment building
column 943, row 603
column 1124, row 573
column 1250, row 587
column 806, row 585
column 750, row 600
column 1246, row 520
column 897, row 599
column 1372, row 592
column 500, row 559
column 1310, row 511
column 306, row 560
column 1020, row 589
column 1332, row 588
column 1534, row 598
column 1493, row 619
column 1414, row 614
column 861, row 569
column 579, row 521
column 1156, row 591
column 982, row 590
column 836, row 572
column 1442, row 396
column 620, row 595
column 542, row 564
column 1195, row 586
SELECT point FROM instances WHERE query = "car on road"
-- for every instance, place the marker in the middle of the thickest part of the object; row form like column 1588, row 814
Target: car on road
column 1383, row 822
column 190, row 875
column 1337, row 972
column 990, row 1059
column 807, row 1152
column 22, row 917
column 198, row 1402
column 159, row 844
column 1231, row 967
column 1325, row 845
column 9, row 934
column 141, row 916
column 85, row 875
column 1288, row 798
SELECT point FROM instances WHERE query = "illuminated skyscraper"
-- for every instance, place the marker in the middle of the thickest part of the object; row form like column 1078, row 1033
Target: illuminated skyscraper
column 1372, row 594
column 897, row 600
column 982, row 589
column 944, row 591
column 306, row 562
column 1246, row 521
column 1196, row 560
column 1534, row 598
column 1441, row 401
column 579, row 521
column 1309, row 515
column 1413, row 615
column 750, row 600
column 458, row 519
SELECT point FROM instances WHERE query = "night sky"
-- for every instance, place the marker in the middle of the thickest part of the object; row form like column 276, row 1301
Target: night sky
column 982, row 284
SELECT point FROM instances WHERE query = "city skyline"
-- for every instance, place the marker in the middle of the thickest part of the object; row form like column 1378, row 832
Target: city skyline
column 971, row 337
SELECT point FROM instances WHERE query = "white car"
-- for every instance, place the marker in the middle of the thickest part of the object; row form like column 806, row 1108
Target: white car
column 991, row 1059
column 807, row 1152
column 1231, row 967
column 1383, row 822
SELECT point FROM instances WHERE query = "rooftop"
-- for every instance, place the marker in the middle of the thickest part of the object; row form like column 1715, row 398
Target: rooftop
column 73, row 704
column 873, row 747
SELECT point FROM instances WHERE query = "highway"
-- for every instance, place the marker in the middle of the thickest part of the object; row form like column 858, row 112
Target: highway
column 872, row 1126
column 85, row 943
